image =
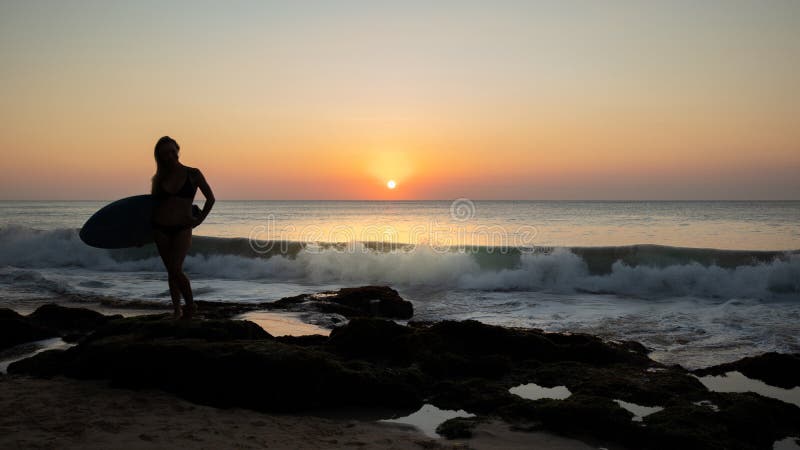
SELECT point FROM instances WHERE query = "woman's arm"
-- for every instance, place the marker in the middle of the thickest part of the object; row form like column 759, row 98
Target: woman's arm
column 207, row 193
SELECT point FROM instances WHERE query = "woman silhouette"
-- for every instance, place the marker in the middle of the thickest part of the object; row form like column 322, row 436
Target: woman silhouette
column 174, row 187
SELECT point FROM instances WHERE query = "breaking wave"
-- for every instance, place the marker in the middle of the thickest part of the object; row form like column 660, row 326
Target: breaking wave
column 639, row 270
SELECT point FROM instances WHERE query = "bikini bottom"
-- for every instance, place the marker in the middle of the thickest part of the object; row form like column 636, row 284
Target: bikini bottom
column 170, row 230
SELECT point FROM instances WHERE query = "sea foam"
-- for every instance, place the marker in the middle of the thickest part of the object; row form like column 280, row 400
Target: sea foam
column 641, row 271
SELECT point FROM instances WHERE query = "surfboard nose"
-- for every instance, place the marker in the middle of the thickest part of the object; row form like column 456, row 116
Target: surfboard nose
column 120, row 224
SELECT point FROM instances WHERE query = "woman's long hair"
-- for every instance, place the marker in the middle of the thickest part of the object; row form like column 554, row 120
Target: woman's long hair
column 161, row 165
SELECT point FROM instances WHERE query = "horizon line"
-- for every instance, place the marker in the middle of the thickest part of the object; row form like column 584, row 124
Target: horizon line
column 430, row 200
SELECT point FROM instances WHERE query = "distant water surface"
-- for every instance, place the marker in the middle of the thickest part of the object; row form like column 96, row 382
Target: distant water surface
column 751, row 225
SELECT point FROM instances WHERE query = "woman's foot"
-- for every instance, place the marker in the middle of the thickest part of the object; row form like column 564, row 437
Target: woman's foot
column 176, row 308
column 189, row 310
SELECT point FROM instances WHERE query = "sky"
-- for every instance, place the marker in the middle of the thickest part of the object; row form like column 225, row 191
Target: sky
column 332, row 99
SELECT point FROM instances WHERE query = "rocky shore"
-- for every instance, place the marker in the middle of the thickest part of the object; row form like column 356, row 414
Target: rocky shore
column 372, row 362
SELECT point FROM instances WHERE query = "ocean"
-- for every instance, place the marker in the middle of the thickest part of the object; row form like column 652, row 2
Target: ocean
column 700, row 283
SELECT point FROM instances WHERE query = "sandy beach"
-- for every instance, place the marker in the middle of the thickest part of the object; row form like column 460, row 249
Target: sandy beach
column 63, row 413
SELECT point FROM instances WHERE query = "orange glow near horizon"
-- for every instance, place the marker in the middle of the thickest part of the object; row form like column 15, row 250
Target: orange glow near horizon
column 549, row 103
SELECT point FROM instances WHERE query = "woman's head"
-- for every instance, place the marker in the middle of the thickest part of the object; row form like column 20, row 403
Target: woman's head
column 166, row 151
column 166, row 154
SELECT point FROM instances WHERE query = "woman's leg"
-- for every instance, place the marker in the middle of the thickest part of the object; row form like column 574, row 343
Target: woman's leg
column 180, row 247
column 165, row 250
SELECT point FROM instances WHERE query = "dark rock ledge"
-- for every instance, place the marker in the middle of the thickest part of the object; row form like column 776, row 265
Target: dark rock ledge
column 454, row 365
column 363, row 301
column 776, row 369
column 46, row 322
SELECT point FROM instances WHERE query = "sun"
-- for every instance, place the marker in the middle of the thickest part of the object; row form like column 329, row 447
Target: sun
column 391, row 184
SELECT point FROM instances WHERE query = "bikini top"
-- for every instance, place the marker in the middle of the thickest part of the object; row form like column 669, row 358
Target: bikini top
column 188, row 189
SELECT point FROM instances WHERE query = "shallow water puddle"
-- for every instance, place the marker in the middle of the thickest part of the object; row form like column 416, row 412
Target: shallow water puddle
column 789, row 443
column 707, row 404
column 428, row 418
column 638, row 411
column 283, row 324
column 29, row 349
column 736, row 382
column 533, row 391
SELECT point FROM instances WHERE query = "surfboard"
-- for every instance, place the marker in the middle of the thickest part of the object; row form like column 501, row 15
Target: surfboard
column 123, row 223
